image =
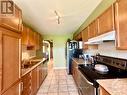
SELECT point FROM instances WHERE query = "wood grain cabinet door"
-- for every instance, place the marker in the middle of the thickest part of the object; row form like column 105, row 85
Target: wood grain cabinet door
column 10, row 47
column 14, row 90
column 14, row 22
column 93, row 29
column 25, row 36
column 34, row 81
column 85, row 37
column 121, row 23
column 106, row 21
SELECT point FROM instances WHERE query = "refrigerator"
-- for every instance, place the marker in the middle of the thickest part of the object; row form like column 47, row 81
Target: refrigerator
column 73, row 49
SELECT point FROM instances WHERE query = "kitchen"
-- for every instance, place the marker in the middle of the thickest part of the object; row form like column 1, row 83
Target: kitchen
column 24, row 68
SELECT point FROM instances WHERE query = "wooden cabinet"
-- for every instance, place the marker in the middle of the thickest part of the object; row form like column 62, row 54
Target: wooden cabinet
column 78, row 37
column 34, row 82
column 26, row 84
column 25, row 36
column 121, row 23
column 85, row 37
column 106, row 21
column 93, row 29
column 75, row 73
column 103, row 91
column 31, row 39
column 14, row 90
column 14, row 22
column 10, row 57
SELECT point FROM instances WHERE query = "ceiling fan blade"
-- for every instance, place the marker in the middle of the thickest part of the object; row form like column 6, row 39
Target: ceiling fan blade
column 58, row 20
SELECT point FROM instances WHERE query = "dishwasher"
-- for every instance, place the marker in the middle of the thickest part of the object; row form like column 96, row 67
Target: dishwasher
column 86, row 87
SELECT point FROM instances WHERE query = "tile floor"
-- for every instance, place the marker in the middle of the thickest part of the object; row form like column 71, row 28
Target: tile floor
column 58, row 82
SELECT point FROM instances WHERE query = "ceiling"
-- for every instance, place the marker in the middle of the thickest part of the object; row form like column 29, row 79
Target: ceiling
column 40, row 15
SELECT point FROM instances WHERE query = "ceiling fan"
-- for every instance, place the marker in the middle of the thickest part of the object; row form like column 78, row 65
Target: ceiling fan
column 57, row 16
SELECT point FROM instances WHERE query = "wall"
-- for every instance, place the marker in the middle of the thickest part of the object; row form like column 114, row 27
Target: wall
column 59, row 42
column 99, row 10
column 109, row 49
column 27, row 54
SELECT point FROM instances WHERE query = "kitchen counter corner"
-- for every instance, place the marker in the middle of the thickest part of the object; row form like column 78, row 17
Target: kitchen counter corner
column 114, row 86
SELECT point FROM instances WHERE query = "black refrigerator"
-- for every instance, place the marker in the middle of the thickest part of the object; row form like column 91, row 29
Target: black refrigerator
column 73, row 49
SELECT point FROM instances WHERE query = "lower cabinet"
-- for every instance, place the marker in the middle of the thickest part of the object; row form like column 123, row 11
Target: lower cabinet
column 103, row 91
column 32, row 81
column 75, row 73
column 26, row 84
column 14, row 90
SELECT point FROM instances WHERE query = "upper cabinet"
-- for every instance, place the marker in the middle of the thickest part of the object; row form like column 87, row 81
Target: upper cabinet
column 78, row 37
column 106, row 21
column 30, row 38
column 93, row 29
column 121, row 23
column 15, row 22
column 85, row 37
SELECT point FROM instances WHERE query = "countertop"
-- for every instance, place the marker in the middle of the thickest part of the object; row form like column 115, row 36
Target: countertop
column 80, row 61
column 24, row 71
column 114, row 86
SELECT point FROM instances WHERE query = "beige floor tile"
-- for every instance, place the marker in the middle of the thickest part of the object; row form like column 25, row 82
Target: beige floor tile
column 73, row 93
column 52, row 94
column 62, row 82
column 64, row 93
column 72, row 88
column 58, row 82
column 63, row 88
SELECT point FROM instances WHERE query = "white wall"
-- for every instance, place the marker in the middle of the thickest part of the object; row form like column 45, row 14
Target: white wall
column 109, row 49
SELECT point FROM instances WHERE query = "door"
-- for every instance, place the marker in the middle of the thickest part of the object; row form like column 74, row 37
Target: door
column 121, row 23
column 14, row 90
column 10, row 47
column 85, row 37
column 34, row 81
column 93, row 29
column 106, row 21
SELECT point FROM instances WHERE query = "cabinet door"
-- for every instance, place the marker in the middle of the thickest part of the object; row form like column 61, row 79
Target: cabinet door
column 121, row 23
column 31, row 37
column 34, row 81
column 40, row 74
column 106, row 21
column 93, row 29
column 85, row 37
column 13, row 23
column 26, row 80
column 11, row 53
column 25, row 36
column 14, row 90
column 103, row 91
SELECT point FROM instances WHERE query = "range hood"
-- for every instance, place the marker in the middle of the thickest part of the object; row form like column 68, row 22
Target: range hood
column 110, row 36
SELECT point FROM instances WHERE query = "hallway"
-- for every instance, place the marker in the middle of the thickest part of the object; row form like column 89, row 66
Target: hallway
column 58, row 82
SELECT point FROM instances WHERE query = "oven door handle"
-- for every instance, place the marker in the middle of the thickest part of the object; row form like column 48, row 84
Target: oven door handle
column 85, row 78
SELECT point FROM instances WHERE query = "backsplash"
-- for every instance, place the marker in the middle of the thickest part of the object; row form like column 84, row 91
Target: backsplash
column 109, row 49
column 27, row 54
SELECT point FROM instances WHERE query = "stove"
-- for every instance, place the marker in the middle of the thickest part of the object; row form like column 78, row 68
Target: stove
column 117, row 69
